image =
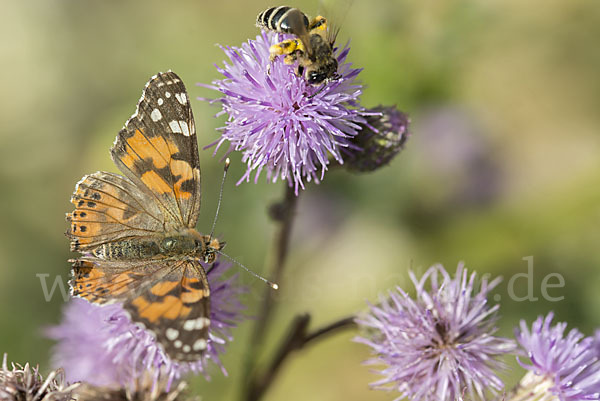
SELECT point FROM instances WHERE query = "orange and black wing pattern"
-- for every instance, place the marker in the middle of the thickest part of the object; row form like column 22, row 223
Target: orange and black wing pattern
column 108, row 208
column 157, row 150
column 169, row 297
column 119, row 222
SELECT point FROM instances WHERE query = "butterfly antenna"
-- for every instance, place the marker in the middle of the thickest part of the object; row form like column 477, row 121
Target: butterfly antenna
column 212, row 230
column 270, row 283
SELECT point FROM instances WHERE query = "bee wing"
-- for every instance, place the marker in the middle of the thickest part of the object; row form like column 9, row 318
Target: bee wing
column 336, row 12
column 296, row 22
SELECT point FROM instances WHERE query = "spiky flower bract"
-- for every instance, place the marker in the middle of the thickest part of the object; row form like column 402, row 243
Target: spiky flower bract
column 143, row 392
column 381, row 138
column 102, row 346
column 439, row 345
column 562, row 366
column 24, row 383
column 281, row 123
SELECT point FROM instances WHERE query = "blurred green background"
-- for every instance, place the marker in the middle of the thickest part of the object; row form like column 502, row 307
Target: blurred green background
column 503, row 162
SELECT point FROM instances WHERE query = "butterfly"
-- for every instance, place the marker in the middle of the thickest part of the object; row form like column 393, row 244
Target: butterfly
column 136, row 232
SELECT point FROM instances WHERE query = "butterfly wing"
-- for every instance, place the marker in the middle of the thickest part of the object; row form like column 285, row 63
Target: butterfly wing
column 168, row 297
column 109, row 207
column 158, row 151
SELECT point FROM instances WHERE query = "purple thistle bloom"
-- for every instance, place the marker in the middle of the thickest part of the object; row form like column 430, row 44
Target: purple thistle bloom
column 100, row 345
column 440, row 344
column 566, row 366
column 280, row 122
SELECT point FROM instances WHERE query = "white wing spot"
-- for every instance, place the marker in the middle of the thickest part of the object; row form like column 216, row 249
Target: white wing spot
column 202, row 322
column 179, row 127
column 167, row 94
column 181, row 97
column 172, row 334
column 178, row 344
column 196, row 324
column 155, row 115
column 160, row 101
column 186, row 348
column 199, row 345
column 189, row 325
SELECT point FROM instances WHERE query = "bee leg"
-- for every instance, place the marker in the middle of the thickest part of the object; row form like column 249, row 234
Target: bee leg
column 290, row 58
column 319, row 23
column 286, row 47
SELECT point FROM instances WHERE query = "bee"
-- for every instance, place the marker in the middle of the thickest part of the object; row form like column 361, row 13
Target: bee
column 312, row 48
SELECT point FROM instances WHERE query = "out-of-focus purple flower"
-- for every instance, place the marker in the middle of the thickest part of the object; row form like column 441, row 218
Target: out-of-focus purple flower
column 26, row 383
column 439, row 345
column 459, row 157
column 566, row 367
column 381, row 138
column 280, row 122
column 103, row 347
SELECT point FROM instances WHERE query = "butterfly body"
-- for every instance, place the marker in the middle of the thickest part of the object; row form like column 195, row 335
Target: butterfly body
column 188, row 243
column 136, row 232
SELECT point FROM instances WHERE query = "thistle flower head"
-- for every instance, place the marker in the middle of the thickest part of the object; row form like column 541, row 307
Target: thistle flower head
column 24, row 383
column 103, row 347
column 280, row 122
column 563, row 366
column 146, row 392
column 382, row 137
column 440, row 344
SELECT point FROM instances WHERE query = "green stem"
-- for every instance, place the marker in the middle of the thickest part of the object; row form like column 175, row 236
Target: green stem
column 284, row 213
column 296, row 339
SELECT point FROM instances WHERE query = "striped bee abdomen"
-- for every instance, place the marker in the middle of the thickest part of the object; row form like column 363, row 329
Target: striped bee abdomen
column 280, row 19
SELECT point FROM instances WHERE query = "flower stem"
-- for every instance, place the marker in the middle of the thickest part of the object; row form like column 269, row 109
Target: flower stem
column 284, row 213
column 296, row 339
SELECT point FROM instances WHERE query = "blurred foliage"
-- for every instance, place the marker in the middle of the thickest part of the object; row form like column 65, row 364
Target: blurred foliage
column 503, row 162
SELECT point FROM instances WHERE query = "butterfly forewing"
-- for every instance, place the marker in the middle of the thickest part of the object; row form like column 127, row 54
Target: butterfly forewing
column 177, row 309
column 169, row 297
column 157, row 150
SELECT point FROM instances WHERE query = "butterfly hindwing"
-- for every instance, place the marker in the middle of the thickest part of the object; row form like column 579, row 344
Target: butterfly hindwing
column 157, row 150
column 107, row 281
column 109, row 207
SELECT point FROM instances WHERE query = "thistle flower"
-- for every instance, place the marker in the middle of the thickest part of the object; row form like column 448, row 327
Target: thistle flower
column 565, row 368
column 381, row 138
column 23, row 383
column 280, row 122
column 146, row 392
column 103, row 347
column 440, row 344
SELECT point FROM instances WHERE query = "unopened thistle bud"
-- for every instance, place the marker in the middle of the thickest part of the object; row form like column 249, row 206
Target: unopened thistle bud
column 381, row 138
